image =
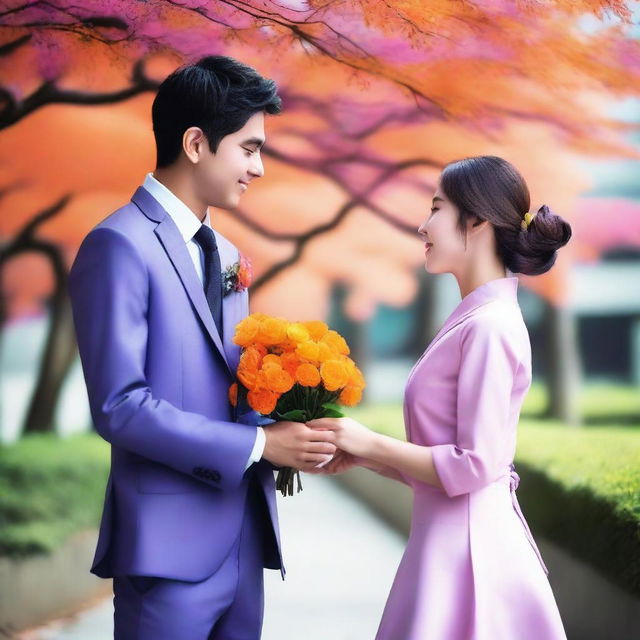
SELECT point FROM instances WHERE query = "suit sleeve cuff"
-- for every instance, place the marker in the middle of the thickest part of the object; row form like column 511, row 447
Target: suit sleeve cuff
column 258, row 447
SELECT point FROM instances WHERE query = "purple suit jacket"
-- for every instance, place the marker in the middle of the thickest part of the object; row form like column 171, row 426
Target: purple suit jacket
column 157, row 376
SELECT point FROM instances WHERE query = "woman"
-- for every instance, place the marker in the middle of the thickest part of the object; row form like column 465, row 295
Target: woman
column 471, row 569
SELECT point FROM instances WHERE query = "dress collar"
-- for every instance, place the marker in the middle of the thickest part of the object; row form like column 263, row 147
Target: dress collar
column 500, row 288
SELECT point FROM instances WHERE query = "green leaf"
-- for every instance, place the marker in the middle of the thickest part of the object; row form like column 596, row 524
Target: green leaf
column 297, row 415
column 332, row 410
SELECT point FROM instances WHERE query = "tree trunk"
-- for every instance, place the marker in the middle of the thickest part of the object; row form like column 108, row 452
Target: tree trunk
column 60, row 347
column 563, row 365
column 426, row 325
column 59, row 354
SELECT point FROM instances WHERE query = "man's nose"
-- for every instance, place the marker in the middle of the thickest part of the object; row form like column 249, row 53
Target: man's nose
column 257, row 168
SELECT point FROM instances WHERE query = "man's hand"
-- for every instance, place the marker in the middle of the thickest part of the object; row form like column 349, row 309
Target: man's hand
column 293, row 444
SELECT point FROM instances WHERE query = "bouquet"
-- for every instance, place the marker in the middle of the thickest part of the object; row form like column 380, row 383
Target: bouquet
column 296, row 371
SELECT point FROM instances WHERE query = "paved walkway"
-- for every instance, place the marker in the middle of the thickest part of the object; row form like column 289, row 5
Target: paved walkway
column 340, row 558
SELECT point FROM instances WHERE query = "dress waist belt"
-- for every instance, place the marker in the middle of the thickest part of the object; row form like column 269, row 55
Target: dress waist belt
column 514, row 482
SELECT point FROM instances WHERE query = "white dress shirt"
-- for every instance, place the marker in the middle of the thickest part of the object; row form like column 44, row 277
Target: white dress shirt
column 188, row 224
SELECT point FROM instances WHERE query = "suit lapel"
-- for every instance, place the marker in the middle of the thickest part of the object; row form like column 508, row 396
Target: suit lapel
column 231, row 304
column 176, row 249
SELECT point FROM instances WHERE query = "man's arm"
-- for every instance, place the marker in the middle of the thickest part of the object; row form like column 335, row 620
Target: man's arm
column 109, row 293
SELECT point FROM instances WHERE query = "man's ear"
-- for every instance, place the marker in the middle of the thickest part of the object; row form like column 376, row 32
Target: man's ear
column 194, row 143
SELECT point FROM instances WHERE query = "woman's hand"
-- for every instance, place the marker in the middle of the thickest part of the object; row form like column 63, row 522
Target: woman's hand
column 350, row 436
column 341, row 462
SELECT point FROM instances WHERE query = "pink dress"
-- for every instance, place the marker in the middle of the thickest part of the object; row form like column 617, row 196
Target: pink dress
column 471, row 569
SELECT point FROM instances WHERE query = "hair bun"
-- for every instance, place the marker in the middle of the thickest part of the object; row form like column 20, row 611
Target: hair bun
column 538, row 244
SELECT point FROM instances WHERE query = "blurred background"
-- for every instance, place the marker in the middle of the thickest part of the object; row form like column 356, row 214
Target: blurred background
column 377, row 97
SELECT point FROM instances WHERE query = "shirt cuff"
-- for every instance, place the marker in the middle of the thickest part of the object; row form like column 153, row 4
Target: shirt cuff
column 258, row 447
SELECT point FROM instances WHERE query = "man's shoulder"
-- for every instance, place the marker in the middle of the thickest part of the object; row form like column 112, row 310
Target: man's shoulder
column 127, row 219
column 125, row 229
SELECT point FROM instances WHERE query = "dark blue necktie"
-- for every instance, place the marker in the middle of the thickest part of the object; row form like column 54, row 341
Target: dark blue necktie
column 212, row 273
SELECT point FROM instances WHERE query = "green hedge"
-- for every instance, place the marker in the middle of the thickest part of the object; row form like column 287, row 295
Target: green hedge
column 49, row 488
column 580, row 487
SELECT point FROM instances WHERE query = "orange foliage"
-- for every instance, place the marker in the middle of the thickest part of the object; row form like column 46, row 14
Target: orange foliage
column 366, row 85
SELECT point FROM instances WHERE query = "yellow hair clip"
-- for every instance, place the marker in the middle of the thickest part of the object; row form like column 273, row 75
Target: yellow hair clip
column 528, row 219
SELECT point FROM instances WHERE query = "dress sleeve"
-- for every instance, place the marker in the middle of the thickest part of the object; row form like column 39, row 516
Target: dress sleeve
column 488, row 365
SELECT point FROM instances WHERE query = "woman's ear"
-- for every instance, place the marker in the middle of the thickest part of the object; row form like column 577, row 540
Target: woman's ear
column 476, row 224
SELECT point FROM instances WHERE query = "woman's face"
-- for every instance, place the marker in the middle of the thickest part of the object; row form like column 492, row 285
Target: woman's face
column 444, row 244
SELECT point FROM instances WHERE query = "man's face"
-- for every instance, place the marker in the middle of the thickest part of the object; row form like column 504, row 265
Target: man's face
column 222, row 177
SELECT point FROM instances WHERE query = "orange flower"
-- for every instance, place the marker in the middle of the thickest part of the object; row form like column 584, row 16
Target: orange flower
column 334, row 375
column 355, row 375
column 297, row 332
column 261, row 381
column 263, row 401
column 246, row 331
column 308, row 375
column 272, row 331
column 245, row 272
column 325, row 352
column 290, row 362
column 350, row 396
column 271, row 358
column 261, row 349
column 308, row 350
column 277, row 379
column 250, row 363
column 286, row 346
column 336, row 342
column 233, row 394
column 316, row 328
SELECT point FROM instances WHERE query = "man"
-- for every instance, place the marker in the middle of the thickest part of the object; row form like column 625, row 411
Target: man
column 190, row 516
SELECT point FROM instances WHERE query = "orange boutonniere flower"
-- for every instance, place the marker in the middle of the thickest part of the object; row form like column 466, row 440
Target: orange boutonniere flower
column 237, row 276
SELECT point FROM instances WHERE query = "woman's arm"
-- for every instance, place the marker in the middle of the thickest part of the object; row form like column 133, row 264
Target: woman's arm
column 483, row 431
column 386, row 456
column 404, row 459
column 384, row 470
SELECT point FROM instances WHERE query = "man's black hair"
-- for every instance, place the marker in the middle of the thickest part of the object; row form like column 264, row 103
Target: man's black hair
column 217, row 94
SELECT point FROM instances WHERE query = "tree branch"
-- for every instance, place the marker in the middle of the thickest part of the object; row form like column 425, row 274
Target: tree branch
column 50, row 93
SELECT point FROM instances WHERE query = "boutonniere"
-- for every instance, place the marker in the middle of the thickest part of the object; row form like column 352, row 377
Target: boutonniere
column 237, row 276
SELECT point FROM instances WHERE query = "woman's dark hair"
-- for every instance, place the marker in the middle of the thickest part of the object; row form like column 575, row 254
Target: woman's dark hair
column 490, row 188
column 217, row 94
